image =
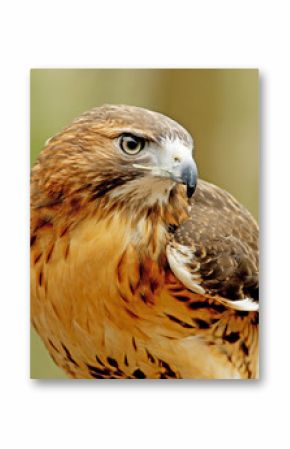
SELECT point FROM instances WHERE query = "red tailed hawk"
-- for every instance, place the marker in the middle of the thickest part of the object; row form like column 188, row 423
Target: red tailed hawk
column 138, row 270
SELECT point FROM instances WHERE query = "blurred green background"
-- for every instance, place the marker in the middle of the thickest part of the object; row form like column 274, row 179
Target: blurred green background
column 219, row 107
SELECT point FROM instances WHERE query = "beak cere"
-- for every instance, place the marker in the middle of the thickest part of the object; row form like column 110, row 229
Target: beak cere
column 189, row 177
column 174, row 162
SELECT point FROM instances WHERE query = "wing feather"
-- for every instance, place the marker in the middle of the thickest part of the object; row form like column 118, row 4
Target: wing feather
column 215, row 252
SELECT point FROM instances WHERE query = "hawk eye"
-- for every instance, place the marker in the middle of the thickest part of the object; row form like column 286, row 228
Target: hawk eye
column 131, row 144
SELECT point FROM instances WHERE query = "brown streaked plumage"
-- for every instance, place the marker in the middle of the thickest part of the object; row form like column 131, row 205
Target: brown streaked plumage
column 130, row 278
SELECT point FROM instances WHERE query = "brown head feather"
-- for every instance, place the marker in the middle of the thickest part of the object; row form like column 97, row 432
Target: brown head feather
column 80, row 167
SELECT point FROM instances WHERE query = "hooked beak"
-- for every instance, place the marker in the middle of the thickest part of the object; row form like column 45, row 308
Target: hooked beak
column 189, row 177
column 186, row 173
column 180, row 168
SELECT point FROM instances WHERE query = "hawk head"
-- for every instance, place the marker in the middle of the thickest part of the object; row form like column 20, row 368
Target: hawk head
column 124, row 154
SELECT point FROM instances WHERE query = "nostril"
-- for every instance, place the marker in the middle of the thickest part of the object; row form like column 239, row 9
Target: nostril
column 177, row 159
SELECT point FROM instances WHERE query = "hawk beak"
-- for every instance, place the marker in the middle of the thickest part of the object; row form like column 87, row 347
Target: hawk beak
column 188, row 177
column 185, row 172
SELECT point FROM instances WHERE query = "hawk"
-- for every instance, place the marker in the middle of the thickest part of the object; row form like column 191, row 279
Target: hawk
column 138, row 269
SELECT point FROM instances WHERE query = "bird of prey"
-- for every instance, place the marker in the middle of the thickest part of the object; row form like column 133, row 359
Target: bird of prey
column 138, row 269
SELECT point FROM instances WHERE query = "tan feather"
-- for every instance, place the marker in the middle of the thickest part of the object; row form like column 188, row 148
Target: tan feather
column 127, row 281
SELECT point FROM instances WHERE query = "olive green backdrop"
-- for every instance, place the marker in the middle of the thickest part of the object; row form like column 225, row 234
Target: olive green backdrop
column 220, row 108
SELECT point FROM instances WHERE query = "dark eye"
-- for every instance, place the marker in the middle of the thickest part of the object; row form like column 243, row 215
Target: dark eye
column 131, row 144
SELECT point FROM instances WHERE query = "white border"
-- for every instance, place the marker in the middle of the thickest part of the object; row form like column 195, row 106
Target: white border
column 148, row 34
